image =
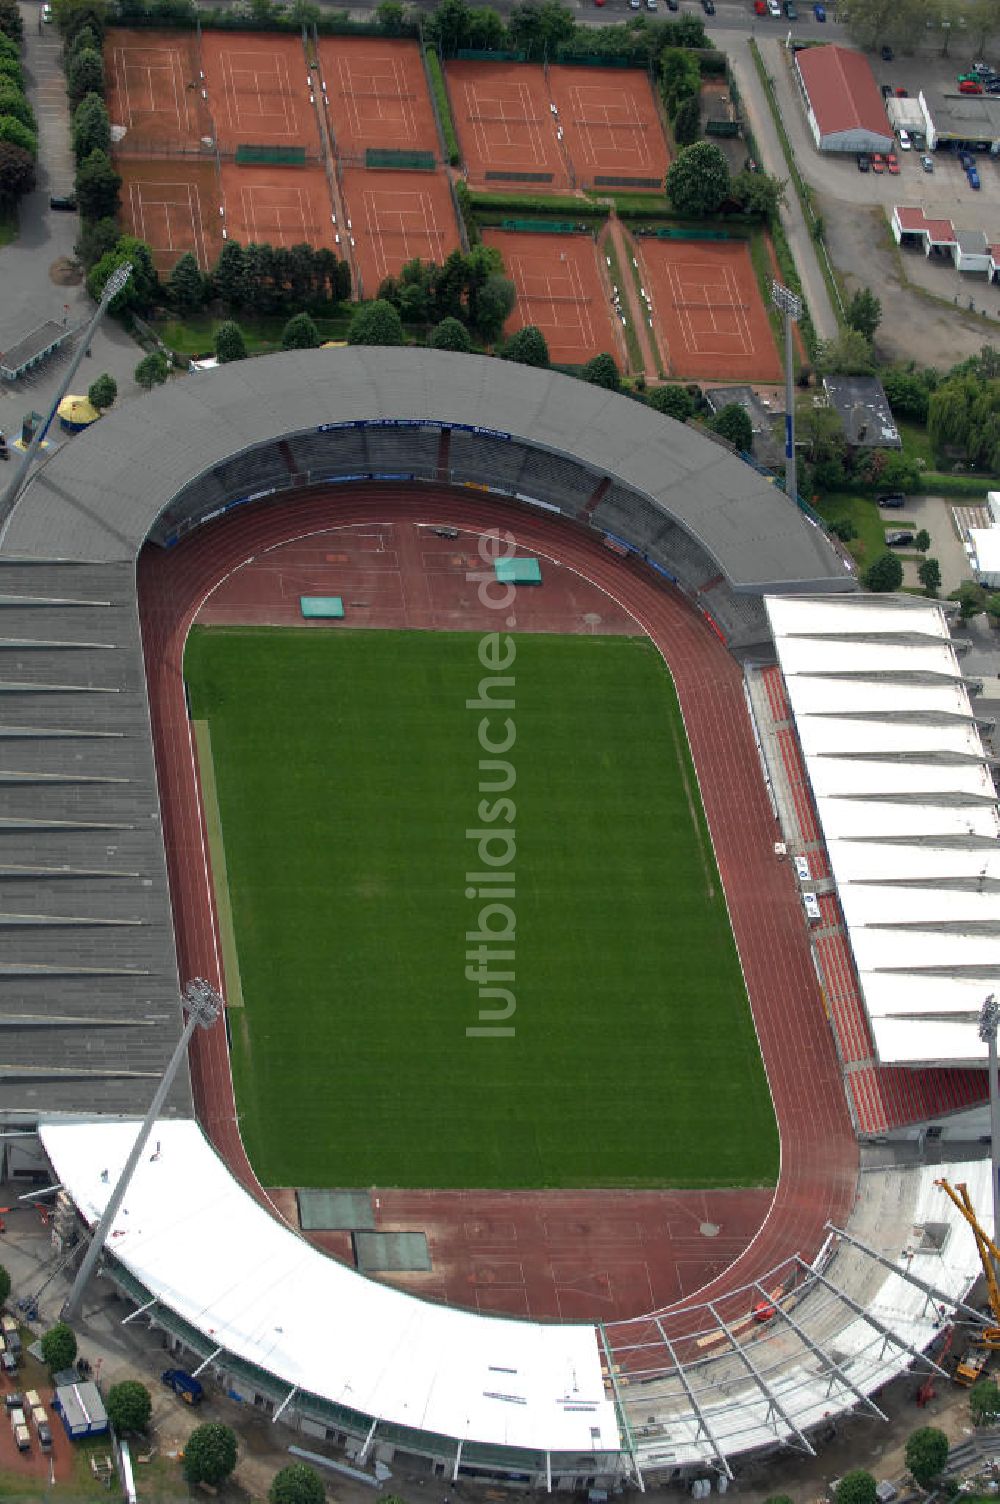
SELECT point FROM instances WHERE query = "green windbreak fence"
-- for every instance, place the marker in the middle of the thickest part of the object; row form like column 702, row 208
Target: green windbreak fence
column 593, row 60
column 483, row 55
column 518, row 177
column 412, row 161
column 275, row 156
column 623, row 182
column 671, row 232
column 542, row 226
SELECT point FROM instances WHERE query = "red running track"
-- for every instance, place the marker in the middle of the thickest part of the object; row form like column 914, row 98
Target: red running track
column 819, row 1150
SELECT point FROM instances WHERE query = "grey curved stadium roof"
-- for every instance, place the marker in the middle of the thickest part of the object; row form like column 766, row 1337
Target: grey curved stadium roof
column 97, row 498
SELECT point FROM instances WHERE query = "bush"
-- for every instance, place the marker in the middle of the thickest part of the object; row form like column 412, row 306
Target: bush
column 926, row 1454
column 102, row 392
column 984, row 1401
column 450, row 334
column 843, row 528
column 300, row 333
column 602, row 371
column 883, row 575
column 732, row 422
column 59, row 1346
column 857, row 1487
column 527, row 347
column 209, row 1453
column 229, row 343
column 129, row 1406
column 297, row 1484
column 672, row 401
column 376, row 323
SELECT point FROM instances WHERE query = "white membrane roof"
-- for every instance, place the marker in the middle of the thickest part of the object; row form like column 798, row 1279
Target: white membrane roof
column 262, row 1293
column 907, row 807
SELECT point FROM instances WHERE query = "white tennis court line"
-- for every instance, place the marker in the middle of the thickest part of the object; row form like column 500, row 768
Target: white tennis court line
column 143, row 203
column 428, row 239
column 387, row 84
column 293, row 209
column 635, row 143
column 709, row 292
column 243, row 116
column 530, row 300
column 489, row 146
column 172, row 65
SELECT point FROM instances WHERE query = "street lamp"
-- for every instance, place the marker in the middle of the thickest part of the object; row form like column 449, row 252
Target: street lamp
column 204, row 1006
column 112, row 288
column 989, row 1018
column 789, row 304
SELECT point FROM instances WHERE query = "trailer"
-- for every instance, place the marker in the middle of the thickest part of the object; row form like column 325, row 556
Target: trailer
column 81, row 1410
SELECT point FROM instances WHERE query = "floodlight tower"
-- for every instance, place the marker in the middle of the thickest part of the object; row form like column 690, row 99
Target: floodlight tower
column 989, row 1018
column 112, row 288
column 789, row 305
column 204, row 1006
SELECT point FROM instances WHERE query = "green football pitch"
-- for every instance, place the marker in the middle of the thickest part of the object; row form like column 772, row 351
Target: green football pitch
column 346, row 768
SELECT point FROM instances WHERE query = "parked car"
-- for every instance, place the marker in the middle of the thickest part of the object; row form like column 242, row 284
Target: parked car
column 773, row 8
column 905, row 144
column 993, row 86
column 886, row 90
column 791, row 10
column 973, row 177
column 900, row 92
column 899, row 538
column 864, row 162
column 919, row 140
column 650, row 4
column 708, row 6
column 819, row 11
column 46, row 15
column 878, row 165
column 892, row 162
column 887, row 54
column 970, row 86
column 65, row 201
column 893, row 500
column 927, row 163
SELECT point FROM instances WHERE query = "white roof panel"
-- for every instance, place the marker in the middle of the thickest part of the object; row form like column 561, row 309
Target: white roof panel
column 876, row 738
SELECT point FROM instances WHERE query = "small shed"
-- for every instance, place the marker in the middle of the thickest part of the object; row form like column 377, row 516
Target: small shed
column 972, row 251
column 81, row 1409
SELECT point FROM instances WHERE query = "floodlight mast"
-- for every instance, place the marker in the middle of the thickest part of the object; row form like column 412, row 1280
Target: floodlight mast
column 789, row 304
column 112, row 288
column 204, row 1006
column 989, row 1018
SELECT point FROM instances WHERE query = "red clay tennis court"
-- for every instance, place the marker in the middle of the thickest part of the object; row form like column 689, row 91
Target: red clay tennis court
column 505, row 124
column 560, row 291
column 258, row 90
column 378, row 95
column 154, row 87
column 396, row 216
column 708, row 309
column 611, row 128
column 277, row 205
column 173, row 207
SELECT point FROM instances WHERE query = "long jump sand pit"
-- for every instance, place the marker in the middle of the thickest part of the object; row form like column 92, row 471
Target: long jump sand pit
column 708, row 309
column 378, row 95
column 560, row 291
column 505, row 125
column 611, row 128
column 258, row 90
column 174, row 207
column 277, row 205
column 396, row 216
column 154, row 88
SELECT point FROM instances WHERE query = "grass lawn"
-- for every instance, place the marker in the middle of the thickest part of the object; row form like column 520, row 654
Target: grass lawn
column 8, row 226
column 870, row 522
column 194, row 337
column 347, row 772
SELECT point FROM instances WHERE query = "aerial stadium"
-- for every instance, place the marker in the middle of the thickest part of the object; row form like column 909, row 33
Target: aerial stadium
column 828, row 907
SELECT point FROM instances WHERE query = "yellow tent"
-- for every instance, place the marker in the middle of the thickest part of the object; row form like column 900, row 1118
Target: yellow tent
column 76, row 413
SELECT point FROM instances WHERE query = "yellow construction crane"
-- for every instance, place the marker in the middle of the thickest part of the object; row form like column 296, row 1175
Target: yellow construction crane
column 971, row 1367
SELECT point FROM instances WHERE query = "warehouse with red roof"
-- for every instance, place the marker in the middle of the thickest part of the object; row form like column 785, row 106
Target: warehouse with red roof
column 842, row 100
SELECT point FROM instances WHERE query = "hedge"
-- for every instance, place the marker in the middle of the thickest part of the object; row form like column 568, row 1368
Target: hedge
column 439, row 89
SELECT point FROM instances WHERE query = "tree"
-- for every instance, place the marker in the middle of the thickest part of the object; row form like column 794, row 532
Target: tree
column 450, row 334
column 187, row 285
column 971, row 599
column 698, row 180
column 984, row 1401
column 687, row 121
column 864, row 312
column 376, row 323
column 680, row 77
column 494, row 303
column 142, row 287
column 102, row 392
column 152, row 370
column 4, row 1285
column 91, row 127
column 758, row 193
column 778, row 1499
column 732, row 422
column 527, row 346
column 11, row 24
column 229, row 343
column 908, row 390
column 922, row 541
column 688, row 32
column 14, row 101
column 926, row 1454
column 300, row 333
column 96, row 239
column 228, row 274
column 297, row 1484
column 602, row 371
column 883, row 575
column 59, row 1346
column 17, row 134
column 129, row 1406
column 929, row 575
column 390, row 18
column 17, row 173
column 85, row 74
column 857, row 1487
column 97, row 186
column 847, row 354
column 72, row 15
column 540, row 28
column 209, row 1453
column 673, row 401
